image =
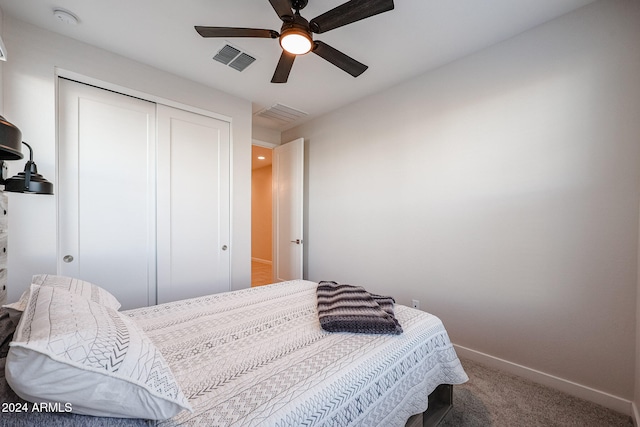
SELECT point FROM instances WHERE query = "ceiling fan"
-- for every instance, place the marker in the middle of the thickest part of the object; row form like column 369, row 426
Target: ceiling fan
column 296, row 32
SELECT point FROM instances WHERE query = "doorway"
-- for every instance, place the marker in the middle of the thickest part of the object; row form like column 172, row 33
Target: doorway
column 277, row 181
column 261, row 215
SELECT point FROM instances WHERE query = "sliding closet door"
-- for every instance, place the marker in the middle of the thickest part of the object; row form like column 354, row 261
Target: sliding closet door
column 193, row 204
column 106, row 191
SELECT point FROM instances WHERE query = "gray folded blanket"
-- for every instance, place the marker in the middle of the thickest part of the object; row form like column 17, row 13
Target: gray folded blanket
column 348, row 308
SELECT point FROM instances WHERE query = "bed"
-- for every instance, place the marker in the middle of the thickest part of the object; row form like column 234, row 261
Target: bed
column 257, row 357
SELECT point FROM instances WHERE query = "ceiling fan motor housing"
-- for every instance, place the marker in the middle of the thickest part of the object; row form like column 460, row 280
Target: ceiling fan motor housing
column 299, row 4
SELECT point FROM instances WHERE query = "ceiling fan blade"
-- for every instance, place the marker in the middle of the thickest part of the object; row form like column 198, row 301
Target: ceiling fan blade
column 339, row 59
column 284, row 67
column 282, row 7
column 236, row 32
column 349, row 12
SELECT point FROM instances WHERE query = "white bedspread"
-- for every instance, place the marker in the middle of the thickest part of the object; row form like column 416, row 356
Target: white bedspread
column 259, row 357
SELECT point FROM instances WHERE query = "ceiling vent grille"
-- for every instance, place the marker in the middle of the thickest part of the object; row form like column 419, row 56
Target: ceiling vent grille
column 242, row 61
column 282, row 113
column 234, row 58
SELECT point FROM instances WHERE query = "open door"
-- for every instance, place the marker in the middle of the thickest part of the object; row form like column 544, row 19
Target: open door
column 288, row 180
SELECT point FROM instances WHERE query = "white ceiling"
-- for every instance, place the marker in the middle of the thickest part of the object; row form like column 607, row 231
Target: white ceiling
column 415, row 37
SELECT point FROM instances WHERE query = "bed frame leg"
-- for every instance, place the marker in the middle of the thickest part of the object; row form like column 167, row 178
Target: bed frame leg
column 440, row 403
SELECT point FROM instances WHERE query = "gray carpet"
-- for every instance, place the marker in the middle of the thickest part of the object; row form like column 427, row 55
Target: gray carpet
column 496, row 398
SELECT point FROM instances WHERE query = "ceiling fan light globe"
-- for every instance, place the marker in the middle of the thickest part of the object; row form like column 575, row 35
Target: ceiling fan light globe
column 296, row 43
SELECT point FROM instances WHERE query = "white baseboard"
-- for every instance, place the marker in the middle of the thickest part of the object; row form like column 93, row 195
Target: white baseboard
column 635, row 414
column 616, row 403
column 260, row 260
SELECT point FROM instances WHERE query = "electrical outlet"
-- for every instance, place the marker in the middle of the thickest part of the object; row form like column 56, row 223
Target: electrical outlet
column 415, row 303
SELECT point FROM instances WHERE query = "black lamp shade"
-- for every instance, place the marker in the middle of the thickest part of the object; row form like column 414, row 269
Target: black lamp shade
column 29, row 181
column 10, row 141
column 36, row 184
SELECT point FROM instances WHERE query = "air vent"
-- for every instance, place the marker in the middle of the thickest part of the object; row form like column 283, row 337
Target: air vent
column 226, row 54
column 234, row 58
column 242, row 61
column 282, row 113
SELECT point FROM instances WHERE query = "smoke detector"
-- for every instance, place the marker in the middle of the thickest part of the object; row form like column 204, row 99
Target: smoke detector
column 65, row 16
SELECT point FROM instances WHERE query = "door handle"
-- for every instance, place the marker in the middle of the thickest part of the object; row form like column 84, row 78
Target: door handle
column 67, row 258
column 297, row 241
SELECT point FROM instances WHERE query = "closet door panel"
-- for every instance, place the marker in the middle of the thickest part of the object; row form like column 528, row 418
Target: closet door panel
column 106, row 209
column 193, row 204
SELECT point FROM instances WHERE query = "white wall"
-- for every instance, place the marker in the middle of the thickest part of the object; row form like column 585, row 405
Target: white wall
column 264, row 134
column 636, row 400
column 1, row 62
column 501, row 191
column 30, row 104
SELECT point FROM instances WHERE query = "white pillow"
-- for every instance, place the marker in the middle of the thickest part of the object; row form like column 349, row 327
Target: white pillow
column 88, row 290
column 68, row 349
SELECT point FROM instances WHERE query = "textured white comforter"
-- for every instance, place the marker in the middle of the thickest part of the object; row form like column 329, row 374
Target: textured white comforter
column 259, row 357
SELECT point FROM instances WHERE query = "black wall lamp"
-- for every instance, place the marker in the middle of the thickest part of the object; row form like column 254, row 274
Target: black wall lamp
column 29, row 181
